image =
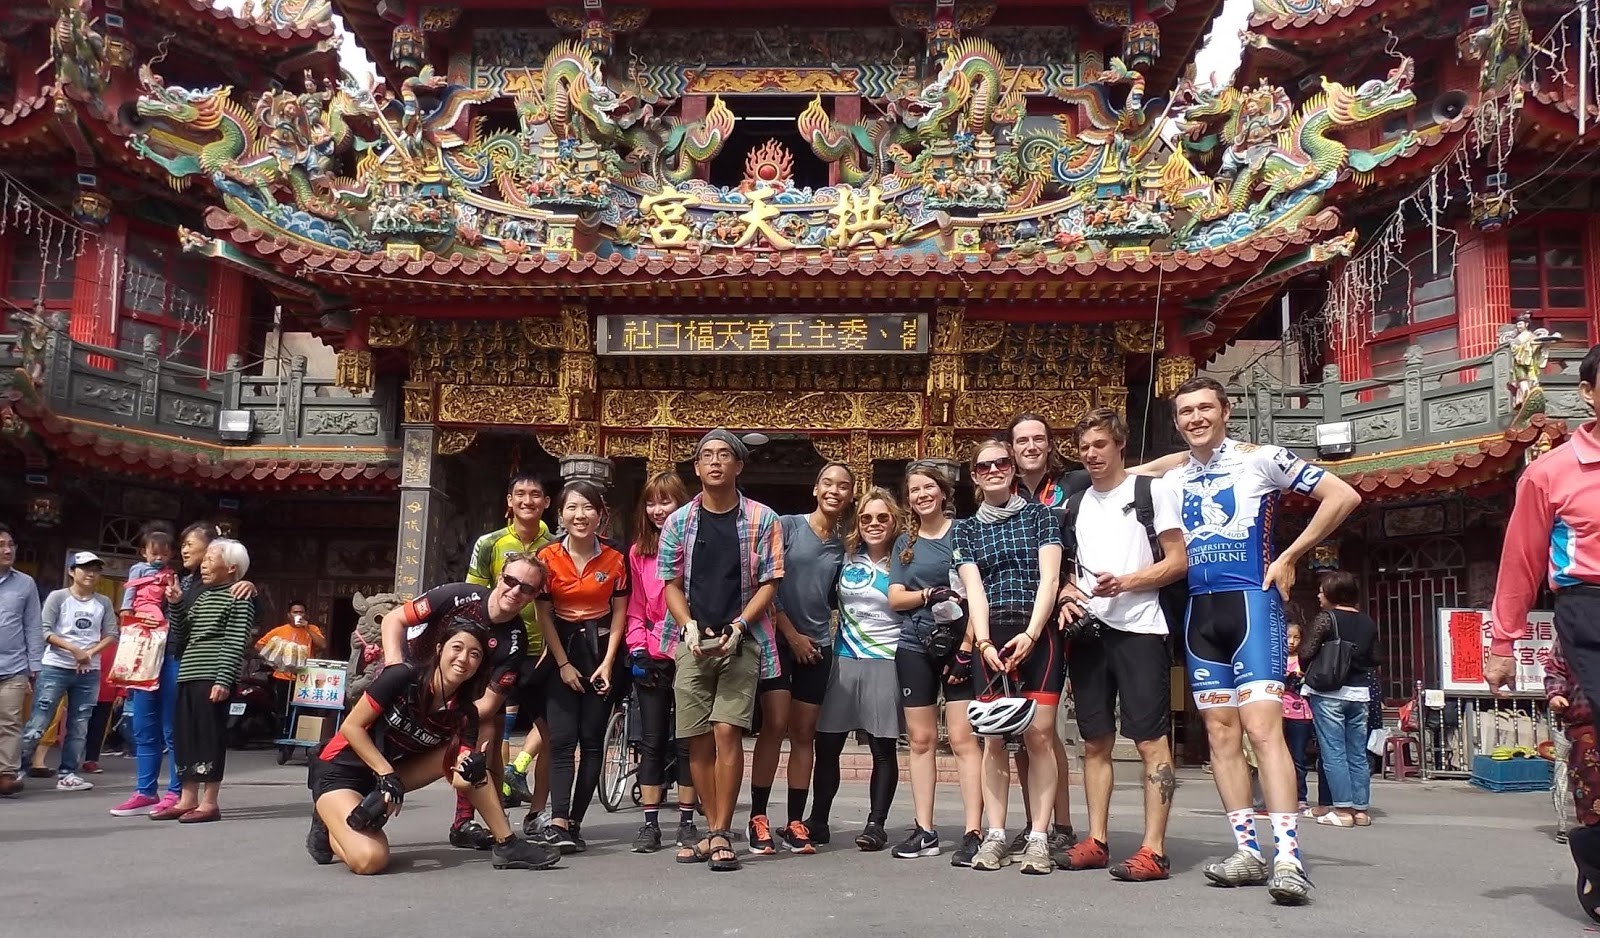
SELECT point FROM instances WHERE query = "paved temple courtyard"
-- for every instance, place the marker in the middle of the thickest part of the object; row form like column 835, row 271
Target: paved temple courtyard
column 1441, row 859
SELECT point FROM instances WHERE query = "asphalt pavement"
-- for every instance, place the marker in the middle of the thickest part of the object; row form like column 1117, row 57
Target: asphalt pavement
column 1440, row 859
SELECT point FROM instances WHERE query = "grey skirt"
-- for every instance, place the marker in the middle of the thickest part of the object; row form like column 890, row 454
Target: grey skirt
column 863, row 694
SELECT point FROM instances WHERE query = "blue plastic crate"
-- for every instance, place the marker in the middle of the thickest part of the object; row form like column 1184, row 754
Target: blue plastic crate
column 1512, row 774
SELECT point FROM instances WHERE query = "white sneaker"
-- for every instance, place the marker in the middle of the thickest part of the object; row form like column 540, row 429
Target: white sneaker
column 70, row 782
column 993, row 854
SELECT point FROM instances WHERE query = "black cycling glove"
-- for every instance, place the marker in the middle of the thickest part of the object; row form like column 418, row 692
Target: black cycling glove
column 392, row 789
column 960, row 668
column 474, row 769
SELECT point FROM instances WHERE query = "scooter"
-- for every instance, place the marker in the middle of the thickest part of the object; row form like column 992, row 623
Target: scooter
column 250, row 716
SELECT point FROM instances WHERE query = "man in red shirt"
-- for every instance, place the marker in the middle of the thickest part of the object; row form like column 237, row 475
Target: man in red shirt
column 1554, row 533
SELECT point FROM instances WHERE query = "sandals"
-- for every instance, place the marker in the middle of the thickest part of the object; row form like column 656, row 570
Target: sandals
column 722, row 859
column 1363, row 819
column 1336, row 819
column 692, row 853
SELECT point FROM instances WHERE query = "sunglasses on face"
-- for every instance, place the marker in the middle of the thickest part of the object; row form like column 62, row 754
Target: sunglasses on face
column 512, row 583
column 986, row 466
column 876, row 519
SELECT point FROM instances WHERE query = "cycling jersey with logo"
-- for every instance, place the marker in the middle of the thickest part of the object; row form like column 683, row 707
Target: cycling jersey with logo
column 868, row 628
column 405, row 727
column 1229, row 507
column 1235, row 640
column 427, row 616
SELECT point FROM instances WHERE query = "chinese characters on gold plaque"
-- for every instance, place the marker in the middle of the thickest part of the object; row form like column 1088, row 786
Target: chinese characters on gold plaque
column 822, row 334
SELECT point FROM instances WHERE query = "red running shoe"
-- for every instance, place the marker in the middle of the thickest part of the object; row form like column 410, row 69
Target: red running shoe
column 1087, row 854
column 1144, row 866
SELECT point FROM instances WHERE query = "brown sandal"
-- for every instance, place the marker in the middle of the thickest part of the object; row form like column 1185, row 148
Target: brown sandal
column 694, row 853
column 201, row 816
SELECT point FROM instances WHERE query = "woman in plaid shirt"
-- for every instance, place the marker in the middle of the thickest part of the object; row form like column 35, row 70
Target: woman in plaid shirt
column 1009, row 559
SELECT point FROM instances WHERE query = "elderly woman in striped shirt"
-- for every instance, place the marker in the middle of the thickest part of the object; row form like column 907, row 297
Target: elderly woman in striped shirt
column 211, row 631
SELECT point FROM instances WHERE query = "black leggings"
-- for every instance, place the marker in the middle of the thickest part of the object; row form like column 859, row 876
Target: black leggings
column 655, row 729
column 577, row 721
column 825, row 778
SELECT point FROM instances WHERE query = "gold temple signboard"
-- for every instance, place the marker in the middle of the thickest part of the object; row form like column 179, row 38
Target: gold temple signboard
column 824, row 334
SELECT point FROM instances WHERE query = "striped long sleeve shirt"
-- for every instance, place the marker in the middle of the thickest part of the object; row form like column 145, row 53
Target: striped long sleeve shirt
column 211, row 633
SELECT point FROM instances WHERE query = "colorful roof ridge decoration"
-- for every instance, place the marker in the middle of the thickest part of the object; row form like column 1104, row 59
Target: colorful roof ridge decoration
column 1448, row 466
column 595, row 182
column 1289, row 14
column 285, row 19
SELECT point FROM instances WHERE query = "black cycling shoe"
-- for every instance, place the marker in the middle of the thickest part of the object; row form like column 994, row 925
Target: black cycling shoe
column 872, row 837
column 688, row 833
column 317, row 843
column 970, row 842
column 519, row 854
column 471, row 835
column 648, row 839
column 820, row 835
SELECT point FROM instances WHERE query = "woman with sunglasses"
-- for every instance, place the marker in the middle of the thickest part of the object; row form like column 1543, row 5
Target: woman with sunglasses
column 415, row 724
column 651, row 646
column 1009, row 559
column 863, row 692
column 919, row 578
column 583, row 612
column 411, row 633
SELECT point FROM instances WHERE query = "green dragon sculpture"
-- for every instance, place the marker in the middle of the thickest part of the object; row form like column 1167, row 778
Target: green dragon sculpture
column 1103, row 154
column 578, row 104
column 1302, row 161
column 967, row 96
column 209, row 134
column 865, row 151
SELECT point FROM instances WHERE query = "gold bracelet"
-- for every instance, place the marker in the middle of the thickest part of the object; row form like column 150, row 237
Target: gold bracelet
column 984, row 643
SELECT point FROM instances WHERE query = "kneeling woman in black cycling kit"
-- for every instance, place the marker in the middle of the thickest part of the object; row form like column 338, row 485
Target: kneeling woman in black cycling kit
column 415, row 725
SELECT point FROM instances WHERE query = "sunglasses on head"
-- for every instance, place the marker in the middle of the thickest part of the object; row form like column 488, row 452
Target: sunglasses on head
column 512, row 583
column 986, row 466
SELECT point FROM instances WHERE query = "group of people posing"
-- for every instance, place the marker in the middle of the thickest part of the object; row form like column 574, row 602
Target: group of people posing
column 867, row 614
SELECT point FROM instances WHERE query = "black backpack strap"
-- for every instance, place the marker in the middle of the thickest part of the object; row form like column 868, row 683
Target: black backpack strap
column 1144, row 508
column 1069, row 532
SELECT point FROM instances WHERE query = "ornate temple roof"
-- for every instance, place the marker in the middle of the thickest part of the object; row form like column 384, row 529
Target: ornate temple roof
column 1449, row 466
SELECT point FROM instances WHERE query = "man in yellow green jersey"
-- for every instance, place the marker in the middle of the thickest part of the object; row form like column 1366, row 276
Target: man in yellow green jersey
column 526, row 502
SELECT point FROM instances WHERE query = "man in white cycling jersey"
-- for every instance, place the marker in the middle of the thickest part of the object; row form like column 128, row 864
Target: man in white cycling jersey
column 1235, row 636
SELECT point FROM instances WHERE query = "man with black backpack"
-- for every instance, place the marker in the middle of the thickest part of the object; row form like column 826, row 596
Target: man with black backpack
column 1122, row 548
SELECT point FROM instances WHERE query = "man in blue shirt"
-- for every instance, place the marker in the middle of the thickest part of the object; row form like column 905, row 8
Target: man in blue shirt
column 21, row 657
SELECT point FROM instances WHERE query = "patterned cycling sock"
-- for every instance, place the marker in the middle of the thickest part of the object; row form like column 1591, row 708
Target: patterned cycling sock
column 1284, row 838
column 1244, row 831
column 685, row 813
column 522, row 761
column 464, row 810
column 652, row 815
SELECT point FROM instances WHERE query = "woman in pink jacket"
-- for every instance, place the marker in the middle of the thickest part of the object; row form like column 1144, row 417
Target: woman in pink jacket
column 650, row 651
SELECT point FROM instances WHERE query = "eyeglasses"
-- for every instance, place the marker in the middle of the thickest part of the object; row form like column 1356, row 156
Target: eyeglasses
column 986, row 466
column 876, row 519
column 715, row 456
column 512, row 583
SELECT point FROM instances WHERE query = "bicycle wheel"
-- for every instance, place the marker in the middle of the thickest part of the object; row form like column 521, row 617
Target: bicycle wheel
column 614, row 760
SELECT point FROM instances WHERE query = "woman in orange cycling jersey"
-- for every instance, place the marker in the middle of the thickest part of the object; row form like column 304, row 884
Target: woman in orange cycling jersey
column 584, row 617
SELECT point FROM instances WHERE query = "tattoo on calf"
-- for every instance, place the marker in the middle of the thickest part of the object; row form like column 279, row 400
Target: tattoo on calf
column 1164, row 779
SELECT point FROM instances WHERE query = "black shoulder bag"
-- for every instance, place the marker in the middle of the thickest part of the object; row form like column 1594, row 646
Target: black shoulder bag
column 1331, row 667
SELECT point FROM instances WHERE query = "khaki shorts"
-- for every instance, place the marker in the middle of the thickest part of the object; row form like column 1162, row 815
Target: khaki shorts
column 715, row 690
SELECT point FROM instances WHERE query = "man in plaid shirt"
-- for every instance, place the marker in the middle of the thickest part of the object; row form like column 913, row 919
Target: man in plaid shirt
column 721, row 557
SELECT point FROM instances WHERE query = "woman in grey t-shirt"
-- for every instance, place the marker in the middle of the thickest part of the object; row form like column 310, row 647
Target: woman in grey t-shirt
column 919, row 565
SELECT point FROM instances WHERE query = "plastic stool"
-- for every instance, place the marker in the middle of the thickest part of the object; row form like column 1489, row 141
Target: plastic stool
column 1400, row 754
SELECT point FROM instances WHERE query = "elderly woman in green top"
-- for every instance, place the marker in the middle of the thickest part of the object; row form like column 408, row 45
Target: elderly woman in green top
column 211, row 631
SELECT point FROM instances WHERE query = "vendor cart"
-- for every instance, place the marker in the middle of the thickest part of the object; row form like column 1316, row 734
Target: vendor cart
column 315, row 707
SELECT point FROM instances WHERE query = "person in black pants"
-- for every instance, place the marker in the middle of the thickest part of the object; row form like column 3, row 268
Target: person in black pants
column 584, row 615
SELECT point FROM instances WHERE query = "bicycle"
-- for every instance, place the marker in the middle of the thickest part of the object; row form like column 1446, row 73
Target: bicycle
column 620, row 759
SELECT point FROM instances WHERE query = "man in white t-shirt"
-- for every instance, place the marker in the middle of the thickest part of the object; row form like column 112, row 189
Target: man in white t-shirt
column 79, row 624
column 1113, row 574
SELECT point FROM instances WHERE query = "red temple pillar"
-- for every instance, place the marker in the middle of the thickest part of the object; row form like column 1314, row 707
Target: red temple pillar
column 96, row 289
column 228, row 310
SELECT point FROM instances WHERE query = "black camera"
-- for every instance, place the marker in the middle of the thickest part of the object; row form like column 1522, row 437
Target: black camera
column 371, row 814
column 1087, row 625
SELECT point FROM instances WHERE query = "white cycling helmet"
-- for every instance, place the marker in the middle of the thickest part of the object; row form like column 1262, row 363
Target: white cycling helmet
column 1002, row 716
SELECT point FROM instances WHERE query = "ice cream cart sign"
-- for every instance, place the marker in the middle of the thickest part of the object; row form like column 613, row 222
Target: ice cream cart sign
column 320, row 684
column 1464, row 647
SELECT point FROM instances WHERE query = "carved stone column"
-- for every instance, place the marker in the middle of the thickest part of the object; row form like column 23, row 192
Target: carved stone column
column 423, row 505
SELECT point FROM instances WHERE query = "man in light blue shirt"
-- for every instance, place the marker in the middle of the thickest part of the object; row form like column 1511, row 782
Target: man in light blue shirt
column 21, row 657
